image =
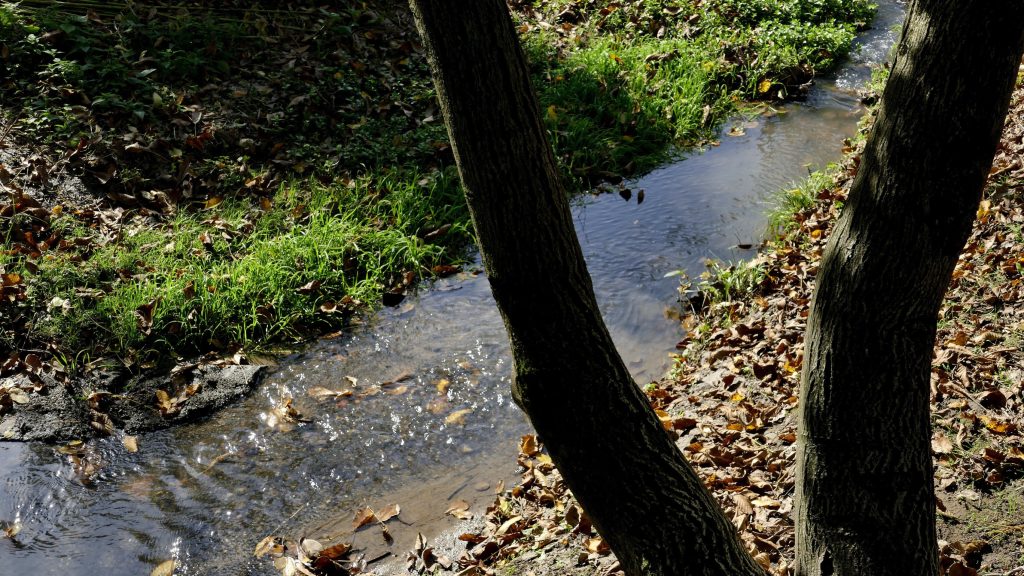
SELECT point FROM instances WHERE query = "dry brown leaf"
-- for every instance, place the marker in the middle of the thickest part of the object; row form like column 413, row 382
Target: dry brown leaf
column 597, row 546
column 321, row 392
column 460, row 510
column 941, row 444
column 388, row 512
column 528, row 445
column 363, row 517
column 269, row 545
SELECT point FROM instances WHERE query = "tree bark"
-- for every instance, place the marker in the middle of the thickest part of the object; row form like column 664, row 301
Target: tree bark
column 865, row 499
column 599, row 428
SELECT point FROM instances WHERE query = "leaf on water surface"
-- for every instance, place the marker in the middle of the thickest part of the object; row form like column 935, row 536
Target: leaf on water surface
column 11, row 529
column 166, row 568
column 311, row 547
column 528, row 445
column 445, row 270
column 321, row 392
column 442, row 386
column 269, row 545
column 460, row 510
column 458, row 417
column 363, row 517
column 389, row 512
column 131, row 443
column 336, row 552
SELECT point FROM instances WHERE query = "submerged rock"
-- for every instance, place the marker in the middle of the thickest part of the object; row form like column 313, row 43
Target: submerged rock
column 60, row 412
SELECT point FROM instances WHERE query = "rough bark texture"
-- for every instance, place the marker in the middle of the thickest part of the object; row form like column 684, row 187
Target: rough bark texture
column 613, row 453
column 865, row 501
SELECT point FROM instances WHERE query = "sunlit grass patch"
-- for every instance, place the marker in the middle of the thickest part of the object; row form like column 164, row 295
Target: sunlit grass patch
column 238, row 276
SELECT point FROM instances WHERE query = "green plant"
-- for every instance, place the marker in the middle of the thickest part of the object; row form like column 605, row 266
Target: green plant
column 726, row 282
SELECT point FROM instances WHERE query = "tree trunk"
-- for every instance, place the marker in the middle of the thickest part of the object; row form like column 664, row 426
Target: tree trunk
column 599, row 428
column 865, row 499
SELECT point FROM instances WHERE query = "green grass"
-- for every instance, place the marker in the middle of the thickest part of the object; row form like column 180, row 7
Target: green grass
column 244, row 284
column 801, row 197
column 323, row 98
column 618, row 90
column 725, row 282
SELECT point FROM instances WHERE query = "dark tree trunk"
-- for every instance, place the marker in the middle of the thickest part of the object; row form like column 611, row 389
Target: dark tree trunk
column 613, row 453
column 865, row 500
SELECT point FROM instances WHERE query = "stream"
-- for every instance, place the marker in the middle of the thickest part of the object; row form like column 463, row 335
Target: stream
column 430, row 420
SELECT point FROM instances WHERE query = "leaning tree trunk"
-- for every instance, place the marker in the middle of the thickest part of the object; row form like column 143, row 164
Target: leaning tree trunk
column 865, row 500
column 601, row 433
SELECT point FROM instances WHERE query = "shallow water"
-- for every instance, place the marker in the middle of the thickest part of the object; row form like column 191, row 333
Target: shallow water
column 204, row 494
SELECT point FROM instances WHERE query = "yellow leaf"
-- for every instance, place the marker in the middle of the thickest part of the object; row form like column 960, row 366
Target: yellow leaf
column 528, row 445
column 442, row 386
column 984, row 207
column 131, row 443
column 458, row 417
column 764, row 86
column 165, row 568
column 664, row 418
column 998, row 426
column 552, row 114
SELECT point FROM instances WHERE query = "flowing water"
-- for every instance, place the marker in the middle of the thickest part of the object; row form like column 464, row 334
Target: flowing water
column 430, row 420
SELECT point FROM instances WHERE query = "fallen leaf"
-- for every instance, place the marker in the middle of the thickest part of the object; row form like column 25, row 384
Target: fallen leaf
column 363, row 517
column 131, row 443
column 597, row 546
column 458, row 417
column 166, row 568
column 941, row 444
column 528, row 445
column 11, row 529
column 460, row 510
column 388, row 512
column 269, row 545
column 321, row 392
column 309, row 287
